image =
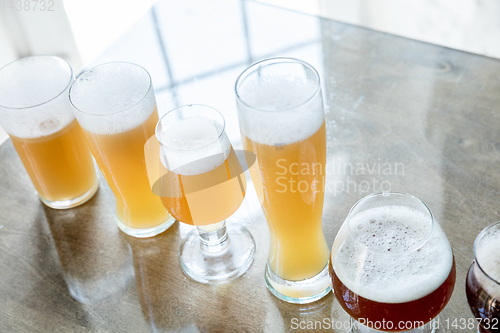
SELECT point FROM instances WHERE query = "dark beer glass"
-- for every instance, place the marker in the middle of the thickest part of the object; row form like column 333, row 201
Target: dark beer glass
column 391, row 265
column 483, row 280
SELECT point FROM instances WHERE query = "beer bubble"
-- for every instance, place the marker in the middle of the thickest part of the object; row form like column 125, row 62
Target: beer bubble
column 49, row 126
column 34, row 98
column 394, row 255
column 488, row 257
column 184, row 155
column 113, row 99
column 273, row 93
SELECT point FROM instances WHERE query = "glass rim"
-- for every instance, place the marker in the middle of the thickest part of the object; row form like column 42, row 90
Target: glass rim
column 189, row 106
column 274, row 61
column 402, row 194
column 476, row 243
column 107, row 64
column 70, row 82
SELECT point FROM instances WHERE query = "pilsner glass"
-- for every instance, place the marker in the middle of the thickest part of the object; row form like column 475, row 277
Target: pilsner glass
column 36, row 113
column 483, row 280
column 203, row 185
column 115, row 105
column 391, row 265
column 282, row 121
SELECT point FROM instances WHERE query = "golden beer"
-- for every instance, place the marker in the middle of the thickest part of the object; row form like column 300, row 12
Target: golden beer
column 202, row 183
column 293, row 204
column 121, row 160
column 209, row 197
column 115, row 106
column 282, row 121
column 60, row 164
column 36, row 113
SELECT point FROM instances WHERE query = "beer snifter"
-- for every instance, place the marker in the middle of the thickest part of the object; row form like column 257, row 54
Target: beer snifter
column 36, row 113
column 483, row 280
column 391, row 265
column 203, row 184
column 116, row 107
column 282, row 121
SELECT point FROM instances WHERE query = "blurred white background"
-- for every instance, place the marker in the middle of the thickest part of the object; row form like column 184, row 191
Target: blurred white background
column 466, row 25
column 82, row 32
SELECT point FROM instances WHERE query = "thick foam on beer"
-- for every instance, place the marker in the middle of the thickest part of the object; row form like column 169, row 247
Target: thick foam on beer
column 488, row 256
column 264, row 98
column 33, row 96
column 393, row 254
column 113, row 98
column 193, row 145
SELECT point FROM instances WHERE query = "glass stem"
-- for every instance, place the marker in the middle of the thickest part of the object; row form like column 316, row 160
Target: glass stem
column 213, row 237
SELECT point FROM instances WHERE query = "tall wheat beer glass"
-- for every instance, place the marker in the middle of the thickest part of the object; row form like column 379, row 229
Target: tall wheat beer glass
column 36, row 113
column 203, row 185
column 280, row 110
column 115, row 105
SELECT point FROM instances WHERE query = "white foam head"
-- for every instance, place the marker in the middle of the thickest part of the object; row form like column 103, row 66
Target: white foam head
column 34, row 96
column 193, row 145
column 488, row 256
column 113, row 98
column 279, row 102
column 392, row 254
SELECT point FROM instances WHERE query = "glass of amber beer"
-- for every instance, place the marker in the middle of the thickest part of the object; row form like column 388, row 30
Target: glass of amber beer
column 483, row 280
column 115, row 105
column 282, row 121
column 36, row 113
column 391, row 265
column 203, row 184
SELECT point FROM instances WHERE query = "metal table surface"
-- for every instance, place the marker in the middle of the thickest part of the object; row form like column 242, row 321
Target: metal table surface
column 401, row 115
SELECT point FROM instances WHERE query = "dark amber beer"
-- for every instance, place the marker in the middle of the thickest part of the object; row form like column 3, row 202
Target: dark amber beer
column 483, row 280
column 420, row 310
column 392, row 267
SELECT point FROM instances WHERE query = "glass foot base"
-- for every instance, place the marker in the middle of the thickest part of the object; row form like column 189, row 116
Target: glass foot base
column 221, row 266
column 65, row 204
column 148, row 232
column 430, row 327
column 299, row 292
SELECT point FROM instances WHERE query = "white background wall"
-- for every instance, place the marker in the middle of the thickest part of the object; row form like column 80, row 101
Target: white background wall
column 77, row 31
column 96, row 24
column 7, row 54
column 467, row 25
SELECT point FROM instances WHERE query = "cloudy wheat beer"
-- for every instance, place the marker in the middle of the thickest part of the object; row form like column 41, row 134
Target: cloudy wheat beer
column 298, row 249
column 281, row 116
column 36, row 113
column 203, row 185
column 204, row 198
column 115, row 105
column 483, row 280
column 392, row 263
column 59, row 164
